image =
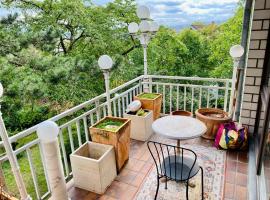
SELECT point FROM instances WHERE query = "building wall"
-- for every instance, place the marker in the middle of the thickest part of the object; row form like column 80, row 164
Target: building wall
column 256, row 54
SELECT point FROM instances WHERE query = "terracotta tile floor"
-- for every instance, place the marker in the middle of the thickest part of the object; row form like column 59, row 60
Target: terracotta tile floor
column 140, row 162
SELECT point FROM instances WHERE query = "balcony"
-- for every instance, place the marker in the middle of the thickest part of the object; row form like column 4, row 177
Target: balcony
column 186, row 93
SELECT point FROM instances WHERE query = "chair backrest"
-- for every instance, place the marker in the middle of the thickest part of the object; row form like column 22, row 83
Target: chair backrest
column 165, row 156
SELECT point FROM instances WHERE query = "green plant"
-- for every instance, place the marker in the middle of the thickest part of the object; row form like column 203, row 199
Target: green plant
column 110, row 125
column 148, row 96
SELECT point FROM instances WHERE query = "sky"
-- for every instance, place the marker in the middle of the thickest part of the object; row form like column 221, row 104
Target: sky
column 179, row 14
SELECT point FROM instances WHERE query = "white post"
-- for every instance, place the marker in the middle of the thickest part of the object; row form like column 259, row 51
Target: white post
column 108, row 95
column 105, row 64
column 12, row 157
column 145, row 64
column 47, row 133
column 236, row 53
column 232, row 103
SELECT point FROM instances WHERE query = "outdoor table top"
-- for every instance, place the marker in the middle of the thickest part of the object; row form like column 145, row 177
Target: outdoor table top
column 179, row 127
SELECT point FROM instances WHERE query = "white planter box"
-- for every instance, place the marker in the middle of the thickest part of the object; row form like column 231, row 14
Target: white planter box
column 141, row 127
column 93, row 167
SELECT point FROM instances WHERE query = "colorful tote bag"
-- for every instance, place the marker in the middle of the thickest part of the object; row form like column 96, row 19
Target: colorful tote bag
column 231, row 136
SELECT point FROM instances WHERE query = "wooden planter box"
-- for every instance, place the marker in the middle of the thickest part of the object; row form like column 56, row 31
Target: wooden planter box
column 141, row 126
column 212, row 118
column 120, row 139
column 151, row 104
column 93, row 167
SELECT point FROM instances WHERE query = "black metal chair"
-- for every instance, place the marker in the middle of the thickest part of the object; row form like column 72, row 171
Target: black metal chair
column 171, row 164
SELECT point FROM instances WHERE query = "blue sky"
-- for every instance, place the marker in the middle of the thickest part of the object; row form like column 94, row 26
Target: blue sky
column 181, row 13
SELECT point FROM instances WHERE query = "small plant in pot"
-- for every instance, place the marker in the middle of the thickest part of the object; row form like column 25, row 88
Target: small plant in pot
column 113, row 131
column 141, row 121
column 151, row 101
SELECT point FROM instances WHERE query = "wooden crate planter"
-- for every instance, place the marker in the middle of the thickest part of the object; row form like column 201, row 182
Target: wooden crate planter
column 212, row 118
column 151, row 104
column 120, row 139
column 93, row 167
column 141, row 126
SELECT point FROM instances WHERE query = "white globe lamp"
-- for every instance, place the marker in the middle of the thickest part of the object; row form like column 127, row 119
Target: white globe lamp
column 143, row 12
column 236, row 51
column 1, row 90
column 48, row 131
column 145, row 26
column 105, row 62
column 133, row 28
column 154, row 27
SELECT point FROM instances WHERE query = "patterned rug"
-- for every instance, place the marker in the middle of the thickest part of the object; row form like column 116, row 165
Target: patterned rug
column 213, row 163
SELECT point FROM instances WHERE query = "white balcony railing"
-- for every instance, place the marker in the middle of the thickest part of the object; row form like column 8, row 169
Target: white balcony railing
column 187, row 93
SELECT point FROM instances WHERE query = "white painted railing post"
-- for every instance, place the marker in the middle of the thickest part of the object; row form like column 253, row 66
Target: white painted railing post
column 11, row 156
column 47, row 133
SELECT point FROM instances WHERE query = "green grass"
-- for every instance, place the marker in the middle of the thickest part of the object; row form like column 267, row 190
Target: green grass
column 148, row 96
column 110, row 125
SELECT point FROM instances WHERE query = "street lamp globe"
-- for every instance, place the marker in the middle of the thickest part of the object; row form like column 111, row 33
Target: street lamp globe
column 1, row 90
column 143, row 12
column 236, row 51
column 145, row 26
column 47, row 131
column 133, row 28
column 154, row 27
column 105, row 62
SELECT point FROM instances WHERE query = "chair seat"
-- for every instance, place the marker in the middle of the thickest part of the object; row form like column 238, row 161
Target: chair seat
column 173, row 168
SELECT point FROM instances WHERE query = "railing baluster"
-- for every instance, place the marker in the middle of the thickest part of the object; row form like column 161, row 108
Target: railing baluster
column 126, row 101
column 79, row 132
column 119, row 107
column 63, row 148
column 104, row 111
column 130, row 97
column 97, row 110
column 71, row 138
column 33, row 172
column 85, row 128
column 226, row 96
column 114, row 109
column 208, row 97
column 185, row 98
column 216, row 96
column 123, row 105
column 157, row 88
column 91, row 118
column 177, row 98
column 200, row 98
column 170, row 98
column 192, row 99
column 164, row 97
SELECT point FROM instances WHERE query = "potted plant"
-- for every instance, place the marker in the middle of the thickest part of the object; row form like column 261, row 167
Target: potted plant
column 212, row 117
column 113, row 131
column 141, row 124
column 151, row 101
column 93, row 167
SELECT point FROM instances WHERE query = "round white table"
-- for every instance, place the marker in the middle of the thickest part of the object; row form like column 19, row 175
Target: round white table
column 179, row 127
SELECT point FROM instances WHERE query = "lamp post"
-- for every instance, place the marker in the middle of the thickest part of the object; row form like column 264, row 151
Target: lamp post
column 105, row 64
column 11, row 156
column 47, row 133
column 144, row 32
column 236, row 53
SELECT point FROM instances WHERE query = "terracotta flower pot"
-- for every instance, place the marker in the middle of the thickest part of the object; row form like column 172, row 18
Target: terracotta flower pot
column 212, row 118
column 182, row 113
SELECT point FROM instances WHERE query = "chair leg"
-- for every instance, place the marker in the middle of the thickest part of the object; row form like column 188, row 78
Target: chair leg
column 157, row 187
column 202, row 181
column 166, row 182
column 187, row 189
